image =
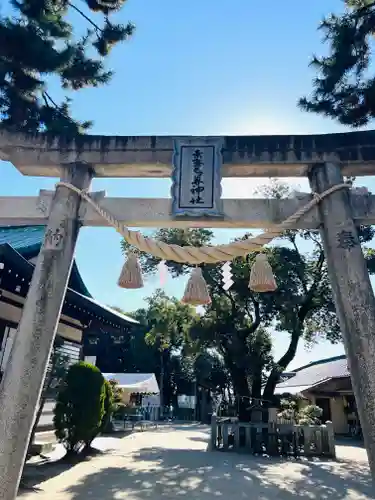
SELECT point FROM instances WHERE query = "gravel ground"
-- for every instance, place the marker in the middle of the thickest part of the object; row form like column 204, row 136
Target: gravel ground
column 174, row 462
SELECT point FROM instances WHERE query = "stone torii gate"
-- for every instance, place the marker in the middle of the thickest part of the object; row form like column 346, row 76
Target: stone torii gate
column 324, row 159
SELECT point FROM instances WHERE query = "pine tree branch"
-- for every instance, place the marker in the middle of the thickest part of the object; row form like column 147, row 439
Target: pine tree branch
column 85, row 17
column 46, row 95
column 46, row 98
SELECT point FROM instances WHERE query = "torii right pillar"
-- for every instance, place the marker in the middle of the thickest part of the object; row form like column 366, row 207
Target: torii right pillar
column 352, row 293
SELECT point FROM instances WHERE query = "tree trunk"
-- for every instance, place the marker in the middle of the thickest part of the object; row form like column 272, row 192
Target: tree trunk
column 241, row 392
column 240, row 384
column 256, row 386
column 274, row 376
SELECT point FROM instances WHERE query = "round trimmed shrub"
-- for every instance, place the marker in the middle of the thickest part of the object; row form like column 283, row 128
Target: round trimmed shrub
column 80, row 407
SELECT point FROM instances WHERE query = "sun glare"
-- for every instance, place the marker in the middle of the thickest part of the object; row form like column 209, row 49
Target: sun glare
column 266, row 123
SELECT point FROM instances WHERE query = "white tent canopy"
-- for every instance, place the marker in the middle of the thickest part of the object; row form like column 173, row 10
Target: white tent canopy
column 141, row 383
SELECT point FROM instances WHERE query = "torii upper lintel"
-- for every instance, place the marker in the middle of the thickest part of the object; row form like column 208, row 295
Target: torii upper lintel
column 152, row 156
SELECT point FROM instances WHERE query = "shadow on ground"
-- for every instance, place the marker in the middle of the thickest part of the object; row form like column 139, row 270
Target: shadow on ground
column 35, row 474
column 158, row 473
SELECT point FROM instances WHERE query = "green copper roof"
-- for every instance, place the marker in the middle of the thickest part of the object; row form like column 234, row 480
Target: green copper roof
column 27, row 241
column 73, row 299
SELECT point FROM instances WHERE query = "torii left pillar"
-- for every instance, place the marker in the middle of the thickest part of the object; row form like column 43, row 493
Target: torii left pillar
column 23, row 379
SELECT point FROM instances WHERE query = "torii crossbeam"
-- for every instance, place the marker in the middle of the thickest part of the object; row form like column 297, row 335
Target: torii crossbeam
column 324, row 159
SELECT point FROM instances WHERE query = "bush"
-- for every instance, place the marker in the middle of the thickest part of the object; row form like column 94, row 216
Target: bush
column 79, row 409
column 308, row 415
column 117, row 392
column 289, row 410
column 109, row 407
column 113, row 398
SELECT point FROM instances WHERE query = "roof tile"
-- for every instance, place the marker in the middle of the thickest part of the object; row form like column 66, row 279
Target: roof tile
column 22, row 238
column 317, row 372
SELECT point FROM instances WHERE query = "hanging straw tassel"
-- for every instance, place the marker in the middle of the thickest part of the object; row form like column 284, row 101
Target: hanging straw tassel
column 131, row 274
column 261, row 275
column 196, row 291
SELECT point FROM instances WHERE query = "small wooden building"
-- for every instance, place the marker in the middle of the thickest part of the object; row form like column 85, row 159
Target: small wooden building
column 325, row 383
column 81, row 315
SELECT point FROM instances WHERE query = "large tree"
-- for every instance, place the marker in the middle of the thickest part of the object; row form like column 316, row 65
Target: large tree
column 344, row 88
column 166, row 324
column 164, row 345
column 39, row 42
column 237, row 321
column 230, row 325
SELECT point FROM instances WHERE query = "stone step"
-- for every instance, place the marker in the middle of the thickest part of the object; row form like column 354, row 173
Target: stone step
column 45, row 437
column 44, row 442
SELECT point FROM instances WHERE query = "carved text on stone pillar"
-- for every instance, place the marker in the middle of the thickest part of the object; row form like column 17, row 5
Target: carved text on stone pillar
column 54, row 237
column 346, row 240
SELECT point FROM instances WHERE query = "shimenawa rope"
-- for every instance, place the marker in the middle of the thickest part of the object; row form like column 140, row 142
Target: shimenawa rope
column 198, row 255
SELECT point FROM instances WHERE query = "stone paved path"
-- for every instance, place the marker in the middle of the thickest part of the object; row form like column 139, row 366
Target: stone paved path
column 172, row 463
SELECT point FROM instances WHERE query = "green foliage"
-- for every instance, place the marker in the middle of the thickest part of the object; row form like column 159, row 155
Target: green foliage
column 310, row 415
column 167, row 349
column 80, row 407
column 116, row 391
column 305, row 415
column 39, row 42
column 344, row 88
column 168, row 321
column 231, row 323
column 236, row 324
column 109, row 407
column 210, row 371
column 288, row 410
column 112, row 400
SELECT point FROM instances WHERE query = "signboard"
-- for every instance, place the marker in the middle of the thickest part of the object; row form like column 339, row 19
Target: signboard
column 196, row 177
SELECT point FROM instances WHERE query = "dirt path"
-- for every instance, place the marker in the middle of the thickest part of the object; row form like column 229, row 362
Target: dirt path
column 173, row 463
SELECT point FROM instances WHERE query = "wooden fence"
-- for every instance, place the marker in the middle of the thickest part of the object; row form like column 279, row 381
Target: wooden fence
column 273, row 438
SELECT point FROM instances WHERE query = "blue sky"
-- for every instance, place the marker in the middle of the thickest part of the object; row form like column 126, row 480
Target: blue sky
column 194, row 67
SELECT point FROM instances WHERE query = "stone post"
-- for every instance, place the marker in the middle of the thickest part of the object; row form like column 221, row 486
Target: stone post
column 23, row 379
column 331, row 439
column 352, row 293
